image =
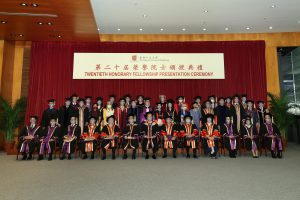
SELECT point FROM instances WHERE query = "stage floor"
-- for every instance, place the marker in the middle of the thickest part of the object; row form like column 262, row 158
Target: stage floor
column 181, row 178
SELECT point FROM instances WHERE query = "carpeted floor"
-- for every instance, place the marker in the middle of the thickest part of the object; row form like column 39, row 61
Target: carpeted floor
column 181, row 178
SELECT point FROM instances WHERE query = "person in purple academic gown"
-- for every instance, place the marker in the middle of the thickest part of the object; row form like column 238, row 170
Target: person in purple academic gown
column 272, row 136
column 27, row 138
column 145, row 109
column 230, row 135
column 48, row 138
column 250, row 136
column 72, row 132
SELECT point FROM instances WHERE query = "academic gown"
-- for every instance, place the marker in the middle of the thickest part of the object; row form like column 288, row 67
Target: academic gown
column 150, row 130
column 210, row 145
column 89, row 145
column 47, row 139
column 108, row 131
column 133, row 131
column 27, row 146
column 49, row 114
column 170, row 133
column 192, row 131
column 229, row 130
column 70, row 131
column 250, row 144
column 271, row 143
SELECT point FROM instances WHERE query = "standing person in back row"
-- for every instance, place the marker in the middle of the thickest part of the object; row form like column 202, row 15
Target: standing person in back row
column 50, row 113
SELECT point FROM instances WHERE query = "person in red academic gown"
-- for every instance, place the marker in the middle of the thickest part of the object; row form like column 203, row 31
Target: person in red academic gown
column 121, row 114
column 110, row 134
column 89, row 138
column 190, row 133
column 210, row 135
column 169, row 132
column 150, row 131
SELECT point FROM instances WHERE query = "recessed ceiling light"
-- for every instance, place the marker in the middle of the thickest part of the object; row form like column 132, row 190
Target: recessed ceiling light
column 23, row 4
column 145, row 15
column 248, row 28
column 49, row 23
column 205, row 11
column 40, row 23
column 34, row 5
column 161, row 29
column 59, row 36
column 3, row 22
column 98, row 29
column 20, row 35
column 141, row 29
column 118, row 29
column 270, row 27
column 226, row 29
column 273, row 6
column 183, row 29
column 204, row 29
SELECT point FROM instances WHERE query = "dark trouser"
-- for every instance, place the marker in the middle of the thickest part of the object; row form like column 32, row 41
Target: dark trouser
column 147, row 144
column 46, row 150
column 208, row 150
column 26, row 146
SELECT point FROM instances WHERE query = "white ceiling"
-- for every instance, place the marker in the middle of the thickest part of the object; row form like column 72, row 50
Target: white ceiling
column 174, row 15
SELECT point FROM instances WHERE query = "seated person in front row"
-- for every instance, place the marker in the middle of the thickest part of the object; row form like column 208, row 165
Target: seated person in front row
column 250, row 136
column 48, row 138
column 130, row 137
column 211, row 135
column 272, row 136
column 89, row 138
column 109, row 135
column 190, row 134
column 27, row 138
column 72, row 132
column 230, row 135
column 150, row 131
column 169, row 132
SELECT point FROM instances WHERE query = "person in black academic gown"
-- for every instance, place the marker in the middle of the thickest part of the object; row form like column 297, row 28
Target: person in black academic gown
column 150, row 131
column 50, row 113
column 272, row 136
column 221, row 111
column 170, row 111
column 237, row 113
column 130, row 137
column 27, row 138
column 133, row 110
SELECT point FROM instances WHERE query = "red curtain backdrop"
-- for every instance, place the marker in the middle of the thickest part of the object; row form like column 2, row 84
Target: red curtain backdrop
column 52, row 67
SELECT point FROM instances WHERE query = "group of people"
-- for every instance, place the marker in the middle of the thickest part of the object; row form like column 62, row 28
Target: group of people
column 229, row 122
